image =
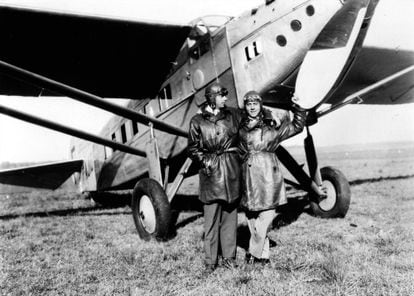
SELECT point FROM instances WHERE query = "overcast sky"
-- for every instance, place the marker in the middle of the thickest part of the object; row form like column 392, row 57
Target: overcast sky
column 21, row 141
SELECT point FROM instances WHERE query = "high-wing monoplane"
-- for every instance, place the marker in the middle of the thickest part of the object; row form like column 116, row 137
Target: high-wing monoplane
column 312, row 49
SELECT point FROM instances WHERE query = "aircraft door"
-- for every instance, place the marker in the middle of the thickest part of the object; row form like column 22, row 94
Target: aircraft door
column 201, row 63
column 208, row 60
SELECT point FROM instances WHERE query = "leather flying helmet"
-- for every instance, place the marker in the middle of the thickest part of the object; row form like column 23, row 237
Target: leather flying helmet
column 214, row 90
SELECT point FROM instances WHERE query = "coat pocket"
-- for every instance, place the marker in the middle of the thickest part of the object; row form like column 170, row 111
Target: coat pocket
column 210, row 164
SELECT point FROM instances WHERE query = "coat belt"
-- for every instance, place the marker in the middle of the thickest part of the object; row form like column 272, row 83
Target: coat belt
column 253, row 152
column 220, row 152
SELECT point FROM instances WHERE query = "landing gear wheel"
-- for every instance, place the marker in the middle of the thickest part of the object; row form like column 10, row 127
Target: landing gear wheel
column 336, row 204
column 151, row 210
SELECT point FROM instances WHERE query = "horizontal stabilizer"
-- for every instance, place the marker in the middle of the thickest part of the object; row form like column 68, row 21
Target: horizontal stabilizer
column 45, row 176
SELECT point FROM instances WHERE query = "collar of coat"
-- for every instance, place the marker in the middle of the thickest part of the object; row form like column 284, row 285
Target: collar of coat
column 265, row 119
column 211, row 117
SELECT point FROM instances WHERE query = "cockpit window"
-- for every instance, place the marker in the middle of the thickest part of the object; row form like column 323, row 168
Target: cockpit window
column 213, row 22
column 200, row 49
column 207, row 24
column 201, row 27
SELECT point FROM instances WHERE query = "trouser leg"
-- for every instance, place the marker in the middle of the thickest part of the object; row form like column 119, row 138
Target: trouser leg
column 265, row 220
column 228, row 231
column 253, row 242
column 266, row 249
column 258, row 225
column 212, row 213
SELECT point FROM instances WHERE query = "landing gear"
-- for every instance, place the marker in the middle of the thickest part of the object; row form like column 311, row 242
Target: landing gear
column 151, row 210
column 338, row 195
column 328, row 190
column 151, row 200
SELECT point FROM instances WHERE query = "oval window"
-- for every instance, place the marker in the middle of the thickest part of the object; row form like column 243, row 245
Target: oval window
column 296, row 25
column 281, row 40
column 310, row 10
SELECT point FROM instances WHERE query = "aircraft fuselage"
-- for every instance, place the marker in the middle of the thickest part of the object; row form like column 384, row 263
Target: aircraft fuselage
column 259, row 50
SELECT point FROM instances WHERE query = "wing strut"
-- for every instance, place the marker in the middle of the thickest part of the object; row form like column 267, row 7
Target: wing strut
column 87, row 98
column 69, row 131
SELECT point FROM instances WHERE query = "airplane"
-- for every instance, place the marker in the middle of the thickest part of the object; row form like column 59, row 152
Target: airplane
column 309, row 50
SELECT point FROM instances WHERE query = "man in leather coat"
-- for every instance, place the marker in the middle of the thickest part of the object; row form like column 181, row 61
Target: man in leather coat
column 212, row 142
column 262, row 179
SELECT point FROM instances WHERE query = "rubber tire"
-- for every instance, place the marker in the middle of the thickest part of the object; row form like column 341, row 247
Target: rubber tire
column 343, row 194
column 159, row 201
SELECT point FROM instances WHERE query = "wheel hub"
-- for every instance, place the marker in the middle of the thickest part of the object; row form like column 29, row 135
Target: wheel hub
column 329, row 202
column 147, row 214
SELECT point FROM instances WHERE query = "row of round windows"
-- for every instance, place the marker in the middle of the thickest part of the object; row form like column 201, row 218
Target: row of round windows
column 295, row 25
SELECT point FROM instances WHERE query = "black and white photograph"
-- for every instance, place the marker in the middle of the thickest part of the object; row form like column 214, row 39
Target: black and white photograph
column 188, row 147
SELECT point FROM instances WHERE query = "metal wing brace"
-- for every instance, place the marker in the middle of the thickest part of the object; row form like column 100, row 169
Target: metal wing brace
column 356, row 98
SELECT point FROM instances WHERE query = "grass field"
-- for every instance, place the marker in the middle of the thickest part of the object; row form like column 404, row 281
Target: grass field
column 61, row 244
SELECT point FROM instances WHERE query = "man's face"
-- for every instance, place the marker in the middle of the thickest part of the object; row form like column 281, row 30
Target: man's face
column 220, row 101
column 253, row 108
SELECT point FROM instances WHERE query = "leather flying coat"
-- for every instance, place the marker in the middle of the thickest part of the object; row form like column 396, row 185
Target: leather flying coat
column 262, row 179
column 213, row 143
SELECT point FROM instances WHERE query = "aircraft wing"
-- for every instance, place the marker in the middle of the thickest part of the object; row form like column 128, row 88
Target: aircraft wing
column 46, row 176
column 104, row 56
column 373, row 64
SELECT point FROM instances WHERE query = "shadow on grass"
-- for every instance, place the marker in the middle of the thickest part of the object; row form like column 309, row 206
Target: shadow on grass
column 188, row 220
column 181, row 203
column 372, row 180
column 89, row 211
column 184, row 203
column 105, row 202
column 290, row 212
